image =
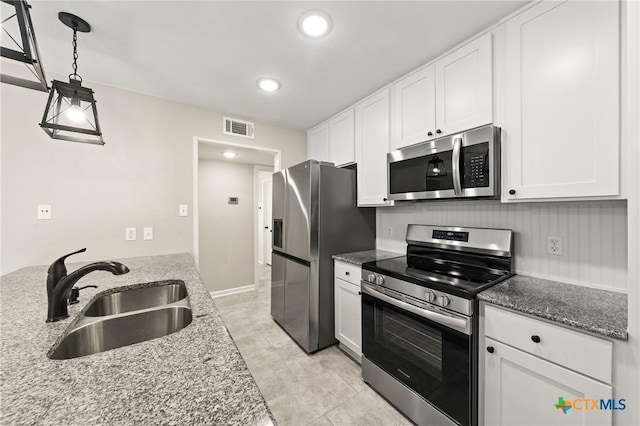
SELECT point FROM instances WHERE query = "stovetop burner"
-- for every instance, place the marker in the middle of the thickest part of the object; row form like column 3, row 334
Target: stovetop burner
column 462, row 281
column 455, row 260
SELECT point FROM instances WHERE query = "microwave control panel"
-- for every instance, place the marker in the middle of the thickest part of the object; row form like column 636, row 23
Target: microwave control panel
column 475, row 159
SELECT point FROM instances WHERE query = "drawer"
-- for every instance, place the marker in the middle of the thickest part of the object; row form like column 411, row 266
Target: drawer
column 348, row 272
column 578, row 351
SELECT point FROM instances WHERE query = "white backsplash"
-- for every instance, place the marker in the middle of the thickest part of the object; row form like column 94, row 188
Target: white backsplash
column 594, row 235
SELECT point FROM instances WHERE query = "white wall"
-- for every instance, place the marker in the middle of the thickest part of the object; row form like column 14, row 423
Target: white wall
column 225, row 230
column 137, row 179
column 594, row 235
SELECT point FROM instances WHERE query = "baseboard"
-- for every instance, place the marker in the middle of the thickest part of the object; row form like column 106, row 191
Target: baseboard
column 231, row 291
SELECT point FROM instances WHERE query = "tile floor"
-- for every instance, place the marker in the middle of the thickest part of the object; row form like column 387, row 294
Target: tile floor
column 320, row 389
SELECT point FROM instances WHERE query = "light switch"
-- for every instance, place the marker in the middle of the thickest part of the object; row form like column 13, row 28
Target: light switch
column 183, row 210
column 148, row 233
column 44, row 211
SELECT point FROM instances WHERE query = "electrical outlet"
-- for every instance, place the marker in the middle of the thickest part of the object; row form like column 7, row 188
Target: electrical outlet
column 130, row 234
column 148, row 233
column 389, row 231
column 183, row 210
column 554, row 245
column 44, row 211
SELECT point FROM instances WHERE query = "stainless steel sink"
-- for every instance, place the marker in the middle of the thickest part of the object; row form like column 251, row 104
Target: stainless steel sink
column 122, row 330
column 138, row 298
column 127, row 317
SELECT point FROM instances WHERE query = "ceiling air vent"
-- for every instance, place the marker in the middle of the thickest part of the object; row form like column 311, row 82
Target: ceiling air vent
column 233, row 126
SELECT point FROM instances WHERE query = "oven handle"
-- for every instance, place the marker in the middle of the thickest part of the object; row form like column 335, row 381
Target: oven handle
column 455, row 165
column 440, row 318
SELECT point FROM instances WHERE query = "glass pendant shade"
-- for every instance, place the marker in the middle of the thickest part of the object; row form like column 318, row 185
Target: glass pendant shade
column 71, row 113
column 19, row 45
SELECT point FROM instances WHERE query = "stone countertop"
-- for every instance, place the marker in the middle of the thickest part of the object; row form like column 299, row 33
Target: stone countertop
column 360, row 257
column 195, row 376
column 596, row 311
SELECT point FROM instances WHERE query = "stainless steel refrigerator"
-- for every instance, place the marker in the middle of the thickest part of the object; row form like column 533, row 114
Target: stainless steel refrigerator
column 314, row 217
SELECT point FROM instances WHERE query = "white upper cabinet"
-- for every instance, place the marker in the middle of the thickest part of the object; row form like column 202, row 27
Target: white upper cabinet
column 341, row 139
column 372, row 144
column 449, row 96
column 464, row 88
column 318, row 143
column 561, row 121
column 414, row 117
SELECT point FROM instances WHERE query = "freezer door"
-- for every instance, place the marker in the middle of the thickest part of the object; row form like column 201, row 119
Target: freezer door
column 296, row 302
column 302, row 202
column 277, row 288
column 277, row 209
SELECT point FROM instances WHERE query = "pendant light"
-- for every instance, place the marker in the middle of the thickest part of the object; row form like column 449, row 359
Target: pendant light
column 436, row 167
column 19, row 44
column 71, row 112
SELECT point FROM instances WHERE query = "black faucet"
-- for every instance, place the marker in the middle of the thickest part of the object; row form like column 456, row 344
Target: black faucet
column 59, row 284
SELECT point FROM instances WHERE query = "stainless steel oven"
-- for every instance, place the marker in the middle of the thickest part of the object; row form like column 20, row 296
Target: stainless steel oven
column 463, row 165
column 420, row 322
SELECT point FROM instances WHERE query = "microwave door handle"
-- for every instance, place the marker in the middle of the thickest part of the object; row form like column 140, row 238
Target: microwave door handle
column 440, row 318
column 455, row 166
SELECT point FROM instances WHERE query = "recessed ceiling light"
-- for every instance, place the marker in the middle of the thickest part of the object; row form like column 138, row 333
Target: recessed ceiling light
column 268, row 84
column 314, row 24
column 229, row 154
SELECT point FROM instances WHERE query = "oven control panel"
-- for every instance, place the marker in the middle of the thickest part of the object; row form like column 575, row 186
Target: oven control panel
column 416, row 294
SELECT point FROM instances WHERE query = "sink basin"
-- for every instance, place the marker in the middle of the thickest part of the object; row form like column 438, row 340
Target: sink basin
column 166, row 292
column 98, row 335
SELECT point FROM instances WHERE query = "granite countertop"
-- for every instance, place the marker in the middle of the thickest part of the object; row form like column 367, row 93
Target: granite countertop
column 360, row 257
column 596, row 311
column 195, row 376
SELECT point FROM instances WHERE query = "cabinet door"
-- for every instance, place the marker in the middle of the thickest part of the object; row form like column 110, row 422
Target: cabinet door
column 464, row 88
column 341, row 139
column 561, row 130
column 372, row 143
column 348, row 315
column 318, row 143
column 521, row 389
column 414, row 109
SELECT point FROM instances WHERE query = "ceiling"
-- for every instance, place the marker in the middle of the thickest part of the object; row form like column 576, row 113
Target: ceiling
column 211, row 53
column 213, row 151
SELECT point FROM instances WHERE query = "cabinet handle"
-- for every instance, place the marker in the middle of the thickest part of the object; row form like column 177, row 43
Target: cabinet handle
column 512, row 192
column 438, row 131
column 490, row 349
column 359, row 293
column 385, row 200
column 430, row 134
column 535, row 338
column 346, row 273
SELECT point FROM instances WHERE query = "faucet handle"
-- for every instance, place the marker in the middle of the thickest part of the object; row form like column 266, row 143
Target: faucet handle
column 58, row 268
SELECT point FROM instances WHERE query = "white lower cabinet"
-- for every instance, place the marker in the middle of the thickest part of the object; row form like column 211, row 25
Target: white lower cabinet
column 522, row 386
column 348, row 311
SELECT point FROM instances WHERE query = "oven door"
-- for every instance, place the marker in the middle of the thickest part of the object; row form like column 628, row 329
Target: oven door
column 429, row 357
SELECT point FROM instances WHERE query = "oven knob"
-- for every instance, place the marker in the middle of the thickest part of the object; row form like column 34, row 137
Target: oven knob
column 371, row 278
column 443, row 301
column 379, row 280
column 430, row 296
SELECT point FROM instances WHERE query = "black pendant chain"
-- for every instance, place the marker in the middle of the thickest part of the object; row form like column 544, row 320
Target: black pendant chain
column 75, row 56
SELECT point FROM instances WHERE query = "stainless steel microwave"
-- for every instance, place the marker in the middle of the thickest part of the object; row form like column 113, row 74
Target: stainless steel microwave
column 462, row 165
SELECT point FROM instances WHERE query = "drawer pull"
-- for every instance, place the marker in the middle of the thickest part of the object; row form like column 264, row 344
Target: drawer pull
column 536, row 339
column 490, row 349
column 346, row 273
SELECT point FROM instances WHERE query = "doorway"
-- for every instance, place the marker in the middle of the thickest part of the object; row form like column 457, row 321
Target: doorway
column 267, row 231
column 231, row 219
